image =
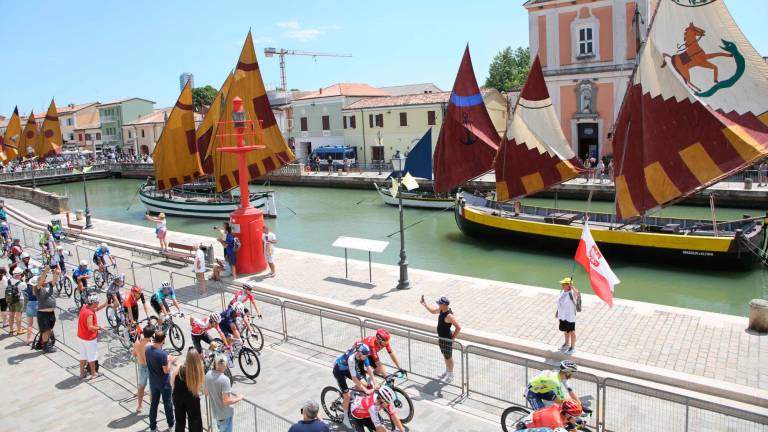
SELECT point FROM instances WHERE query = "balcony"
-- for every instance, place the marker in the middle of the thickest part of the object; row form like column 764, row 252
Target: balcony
column 108, row 119
column 109, row 139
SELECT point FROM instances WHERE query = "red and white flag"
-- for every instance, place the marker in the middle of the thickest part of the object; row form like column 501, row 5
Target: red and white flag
column 601, row 277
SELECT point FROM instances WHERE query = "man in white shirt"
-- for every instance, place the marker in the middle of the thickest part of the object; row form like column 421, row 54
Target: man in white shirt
column 270, row 240
column 200, row 268
column 566, row 314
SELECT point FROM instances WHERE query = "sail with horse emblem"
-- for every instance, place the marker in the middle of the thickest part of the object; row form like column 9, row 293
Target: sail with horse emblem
column 468, row 140
column 696, row 110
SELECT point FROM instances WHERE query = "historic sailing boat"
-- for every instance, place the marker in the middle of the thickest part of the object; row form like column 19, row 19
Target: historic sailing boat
column 9, row 143
column 677, row 133
column 184, row 155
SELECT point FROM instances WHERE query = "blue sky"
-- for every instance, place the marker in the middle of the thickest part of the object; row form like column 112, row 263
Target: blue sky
column 81, row 51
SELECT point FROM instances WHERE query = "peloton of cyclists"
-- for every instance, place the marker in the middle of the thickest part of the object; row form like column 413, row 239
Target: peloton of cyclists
column 365, row 411
column 353, row 365
column 200, row 329
column 159, row 300
column 245, row 294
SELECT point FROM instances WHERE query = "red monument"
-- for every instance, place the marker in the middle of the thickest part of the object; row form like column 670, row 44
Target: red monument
column 247, row 222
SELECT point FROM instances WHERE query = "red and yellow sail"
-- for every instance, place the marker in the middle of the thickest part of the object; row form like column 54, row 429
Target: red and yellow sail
column 12, row 137
column 51, row 141
column 534, row 154
column 28, row 145
column 696, row 110
column 468, row 141
column 207, row 142
column 175, row 156
column 248, row 85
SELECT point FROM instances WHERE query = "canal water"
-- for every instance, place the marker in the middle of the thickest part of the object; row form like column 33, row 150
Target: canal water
column 310, row 219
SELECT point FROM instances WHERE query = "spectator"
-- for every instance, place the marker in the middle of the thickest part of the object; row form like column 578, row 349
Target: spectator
column 270, row 240
column 3, row 304
column 187, row 381
column 14, row 294
column 159, row 365
column 140, row 352
column 566, row 314
column 218, row 267
column 762, row 173
column 220, row 394
column 30, row 304
column 46, row 308
column 600, row 170
column 311, row 421
column 199, row 267
column 88, row 333
column 161, row 229
column 229, row 251
column 445, row 320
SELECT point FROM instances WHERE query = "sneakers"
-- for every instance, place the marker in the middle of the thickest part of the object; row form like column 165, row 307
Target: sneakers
column 564, row 347
column 448, row 378
column 570, row 351
column 442, row 375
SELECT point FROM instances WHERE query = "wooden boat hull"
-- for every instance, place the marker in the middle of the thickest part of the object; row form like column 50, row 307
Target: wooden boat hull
column 202, row 208
column 416, row 201
column 736, row 252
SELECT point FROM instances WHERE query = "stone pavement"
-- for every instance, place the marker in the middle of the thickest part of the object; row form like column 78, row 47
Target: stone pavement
column 711, row 348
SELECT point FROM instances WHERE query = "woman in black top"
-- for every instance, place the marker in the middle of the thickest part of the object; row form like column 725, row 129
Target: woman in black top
column 445, row 320
column 187, row 381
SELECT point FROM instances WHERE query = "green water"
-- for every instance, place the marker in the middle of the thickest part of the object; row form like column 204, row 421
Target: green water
column 436, row 243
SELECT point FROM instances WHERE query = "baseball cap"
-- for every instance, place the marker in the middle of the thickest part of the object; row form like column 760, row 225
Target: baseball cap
column 443, row 300
column 567, row 280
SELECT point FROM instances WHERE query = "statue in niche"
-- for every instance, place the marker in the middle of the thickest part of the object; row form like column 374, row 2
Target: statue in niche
column 586, row 90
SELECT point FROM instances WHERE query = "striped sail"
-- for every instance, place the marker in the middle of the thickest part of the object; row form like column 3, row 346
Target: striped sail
column 695, row 112
column 12, row 137
column 207, row 142
column 51, row 141
column 28, row 145
column 534, row 153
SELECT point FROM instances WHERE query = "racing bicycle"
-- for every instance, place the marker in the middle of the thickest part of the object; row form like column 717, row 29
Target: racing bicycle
column 100, row 278
column 251, row 333
column 128, row 332
column 171, row 329
column 333, row 403
column 247, row 358
column 515, row 417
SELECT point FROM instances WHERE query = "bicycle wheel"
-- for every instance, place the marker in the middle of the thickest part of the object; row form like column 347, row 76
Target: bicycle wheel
column 403, row 405
column 254, row 337
column 512, row 416
column 177, row 337
column 98, row 279
column 59, row 286
column 332, row 402
column 124, row 335
column 34, row 341
column 67, row 284
column 78, row 297
column 249, row 362
column 112, row 317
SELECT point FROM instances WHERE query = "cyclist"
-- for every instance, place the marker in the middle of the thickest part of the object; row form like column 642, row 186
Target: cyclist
column 552, row 386
column 353, row 365
column 200, row 329
column 114, row 298
column 3, row 215
column 159, row 303
column 228, row 325
column 565, row 416
column 131, row 304
column 365, row 411
column 81, row 275
column 46, row 245
column 55, row 229
column 246, row 294
column 376, row 343
column 58, row 260
column 15, row 253
column 5, row 232
column 99, row 254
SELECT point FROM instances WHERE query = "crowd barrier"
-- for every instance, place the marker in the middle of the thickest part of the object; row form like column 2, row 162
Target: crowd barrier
column 481, row 373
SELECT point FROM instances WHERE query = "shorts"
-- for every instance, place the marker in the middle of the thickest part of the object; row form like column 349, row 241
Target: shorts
column 46, row 321
column 374, row 364
column 156, row 305
column 134, row 311
column 226, row 328
column 536, row 400
column 446, row 347
column 31, row 309
column 89, row 350
column 110, row 295
column 567, row 326
column 360, row 425
column 202, row 337
column 143, row 375
column 13, row 307
column 99, row 260
column 3, row 305
column 270, row 258
column 161, row 233
column 232, row 258
column 341, row 378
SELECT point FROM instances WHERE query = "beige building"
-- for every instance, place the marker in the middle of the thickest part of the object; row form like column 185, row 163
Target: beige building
column 88, row 132
column 142, row 134
column 380, row 126
column 69, row 119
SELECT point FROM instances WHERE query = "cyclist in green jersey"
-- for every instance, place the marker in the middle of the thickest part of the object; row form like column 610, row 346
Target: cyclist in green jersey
column 552, row 386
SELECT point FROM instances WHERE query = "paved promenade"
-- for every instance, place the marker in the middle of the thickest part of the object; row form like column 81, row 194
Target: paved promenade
column 713, row 349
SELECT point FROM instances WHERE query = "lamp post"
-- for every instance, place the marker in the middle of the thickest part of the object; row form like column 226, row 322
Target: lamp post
column 85, row 195
column 31, row 157
column 398, row 164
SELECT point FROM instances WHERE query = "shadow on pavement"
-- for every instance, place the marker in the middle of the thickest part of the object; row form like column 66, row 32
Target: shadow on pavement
column 69, row 383
column 127, row 421
column 349, row 282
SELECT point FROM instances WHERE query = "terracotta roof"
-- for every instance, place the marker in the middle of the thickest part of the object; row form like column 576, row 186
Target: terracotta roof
column 345, row 89
column 119, row 101
column 158, row 116
column 411, row 89
column 390, row 101
column 66, row 109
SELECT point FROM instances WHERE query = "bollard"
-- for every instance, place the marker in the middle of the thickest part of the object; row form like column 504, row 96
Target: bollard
column 758, row 316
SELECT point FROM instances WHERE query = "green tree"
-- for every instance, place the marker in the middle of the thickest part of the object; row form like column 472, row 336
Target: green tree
column 509, row 69
column 203, row 96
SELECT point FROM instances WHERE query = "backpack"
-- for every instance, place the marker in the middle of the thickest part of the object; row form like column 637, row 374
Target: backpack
column 576, row 301
column 12, row 290
column 236, row 245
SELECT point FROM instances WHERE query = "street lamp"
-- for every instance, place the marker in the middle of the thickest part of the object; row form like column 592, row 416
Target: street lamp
column 398, row 164
column 85, row 195
column 31, row 159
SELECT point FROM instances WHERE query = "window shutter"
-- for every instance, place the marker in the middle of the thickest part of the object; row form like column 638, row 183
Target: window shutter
column 304, row 124
column 370, row 120
column 403, row 119
column 352, row 122
column 380, row 120
column 326, row 123
column 344, row 121
column 431, row 118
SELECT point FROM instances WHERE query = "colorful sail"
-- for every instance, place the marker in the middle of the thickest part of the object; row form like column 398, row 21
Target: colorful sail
column 206, row 133
column 175, row 156
column 249, row 86
column 51, row 141
column 696, row 110
column 534, row 153
column 12, row 137
column 468, row 141
column 28, row 145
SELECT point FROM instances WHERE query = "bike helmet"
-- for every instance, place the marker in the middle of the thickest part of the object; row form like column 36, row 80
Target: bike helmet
column 103, row 245
column 93, row 298
column 382, row 335
column 386, row 394
column 363, row 349
column 24, row 255
column 83, row 263
column 165, row 285
column 136, row 289
column 121, row 278
column 571, row 408
column 568, row 366
column 215, row 317
column 4, row 223
column 239, row 308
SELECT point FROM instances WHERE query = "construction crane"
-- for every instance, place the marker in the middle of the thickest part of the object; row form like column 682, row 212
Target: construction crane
column 282, row 52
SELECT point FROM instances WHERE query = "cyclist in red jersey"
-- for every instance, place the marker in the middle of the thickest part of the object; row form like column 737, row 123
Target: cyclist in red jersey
column 364, row 411
column 200, row 329
column 376, row 343
column 131, row 304
column 564, row 416
column 246, row 295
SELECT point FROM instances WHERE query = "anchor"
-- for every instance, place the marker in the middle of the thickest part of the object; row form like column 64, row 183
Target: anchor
column 465, row 121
